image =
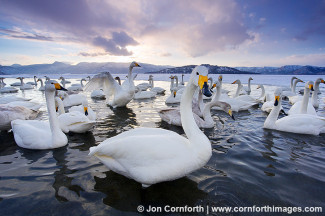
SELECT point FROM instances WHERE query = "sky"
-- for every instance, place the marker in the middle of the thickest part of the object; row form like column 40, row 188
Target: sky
column 164, row 32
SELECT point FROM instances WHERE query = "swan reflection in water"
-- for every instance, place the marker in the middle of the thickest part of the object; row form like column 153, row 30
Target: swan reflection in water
column 126, row 194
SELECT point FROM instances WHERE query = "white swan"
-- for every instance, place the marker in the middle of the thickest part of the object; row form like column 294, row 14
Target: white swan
column 75, row 88
column 121, row 94
column 248, row 87
column 24, row 86
column 33, row 83
column 8, row 113
column 266, row 99
column 33, row 134
column 177, row 85
column 42, row 88
column 71, row 100
column 8, row 89
column 158, row 90
column 27, row 104
column 303, row 106
column 85, row 109
column 74, row 121
column 98, row 94
column 298, row 123
column 236, row 105
column 153, row 155
column 314, row 96
column 295, row 98
column 144, row 95
column 64, row 81
column 8, row 99
column 246, row 98
column 292, row 92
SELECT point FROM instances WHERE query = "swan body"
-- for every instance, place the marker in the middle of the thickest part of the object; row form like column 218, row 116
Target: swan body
column 91, row 115
column 248, row 87
column 292, row 92
column 8, row 89
column 8, row 99
column 16, row 84
column 174, row 98
column 153, row 155
column 297, row 123
column 72, row 100
column 75, row 88
column 8, row 113
column 246, row 98
column 27, row 104
column 33, row 83
column 64, row 81
column 24, row 86
column 314, row 96
column 144, row 95
column 33, row 134
column 303, row 106
column 42, row 88
column 117, row 95
column 158, row 90
column 98, row 94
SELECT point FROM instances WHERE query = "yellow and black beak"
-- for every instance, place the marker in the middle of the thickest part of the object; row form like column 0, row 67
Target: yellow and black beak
column 220, row 77
column 59, row 87
column 311, row 87
column 137, row 65
column 202, row 80
column 276, row 102
column 322, row 81
column 174, row 93
column 56, row 108
column 234, row 82
column 230, row 113
column 86, row 110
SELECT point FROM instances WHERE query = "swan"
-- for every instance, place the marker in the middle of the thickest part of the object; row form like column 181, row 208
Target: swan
column 64, row 81
column 98, row 94
column 33, row 134
column 27, row 104
column 292, row 92
column 8, row 113
column 24, row 86
column 144, row 95
column 182, row 82
column 153, row 155
column 74, row 121
column 121, row 95
column 33, row 83
column 42, row 88
column 173, row 98
column 294, row 98
column 75, row 88
column 298, row 123
column 84, row 108
column 173, row 116
column 314, row 96
column 71, row 100
column 268, row 102
column 223, row 91
column 8, row 89
column 8, row 99
column 236, row 105
column 158, row 90
column 248, row 88
column 47, row 79
column 246, row 98
column 303, row 107
column 178, row 87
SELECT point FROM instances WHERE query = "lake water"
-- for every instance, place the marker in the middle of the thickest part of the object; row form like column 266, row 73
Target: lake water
column 249, row 165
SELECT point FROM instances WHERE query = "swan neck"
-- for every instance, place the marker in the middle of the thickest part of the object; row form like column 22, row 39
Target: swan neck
column 207, row 112
column 274, row 114
column 176, row 81
column 200, row 101
column 238, row 90
column 195, row 135
column 82, row 85
column 294, row 86
column 42, row 85
column 218, row 94
column 54, row 122
column 263, row 92
column 304, row 105
column 291, row 83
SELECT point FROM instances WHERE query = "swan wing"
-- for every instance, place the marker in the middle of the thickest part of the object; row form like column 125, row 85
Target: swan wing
column 103, row 81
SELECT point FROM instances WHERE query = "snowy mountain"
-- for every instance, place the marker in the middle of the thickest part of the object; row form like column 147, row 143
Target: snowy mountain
column 286, row 70
column 81, row 68
column 213, row 69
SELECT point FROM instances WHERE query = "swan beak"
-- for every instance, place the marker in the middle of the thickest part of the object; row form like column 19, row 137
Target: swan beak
column 205, row 90
column 322, row 81
column 56, row 109
column 59, row 87
column 234, row 82
column 174, row 93
column 276, row 102
column 311, row 87
column 220, row 77
column 202, row 80
column 230, row 113
column 137, row 65
column 86, row 110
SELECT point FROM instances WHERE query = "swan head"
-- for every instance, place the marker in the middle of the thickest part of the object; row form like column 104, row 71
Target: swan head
column 220, row 78
column 227, row 108
column 277, row 94
column 174, row 93
column 199, row 77
column 250, row 78
column 39, row 79
column 258, row 87
column 61, row 78
column 35, row 77
column 319, row 80
column 85, row 105
column 134, row 64
column 52, row 86
column 237, row 82
column 310, row 85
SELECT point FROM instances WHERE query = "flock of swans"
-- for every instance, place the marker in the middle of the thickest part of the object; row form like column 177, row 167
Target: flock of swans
column 152, row 155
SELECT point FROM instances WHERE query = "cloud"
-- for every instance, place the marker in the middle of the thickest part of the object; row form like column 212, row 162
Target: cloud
column 8, row 33
column 195, row 28
column 87, row 54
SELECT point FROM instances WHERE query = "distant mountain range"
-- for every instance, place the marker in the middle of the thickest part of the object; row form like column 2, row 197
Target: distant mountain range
column 117, row 68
